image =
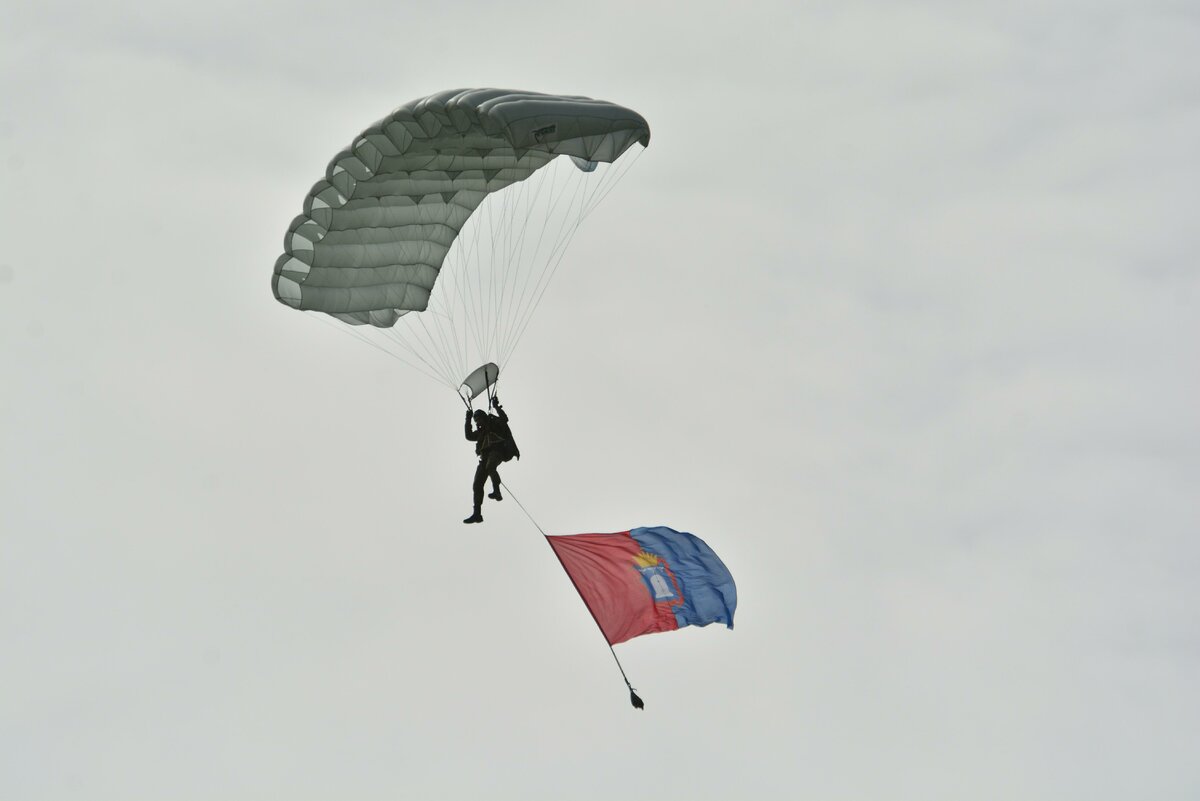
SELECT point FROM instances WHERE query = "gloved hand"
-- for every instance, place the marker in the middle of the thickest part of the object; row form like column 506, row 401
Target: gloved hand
column 468, row 415
column 496, row 401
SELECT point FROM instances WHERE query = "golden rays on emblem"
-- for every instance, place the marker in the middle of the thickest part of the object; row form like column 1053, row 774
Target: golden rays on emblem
column 644, row 559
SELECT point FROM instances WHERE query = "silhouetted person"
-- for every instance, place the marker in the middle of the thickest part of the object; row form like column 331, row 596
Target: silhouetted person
column 494, row 445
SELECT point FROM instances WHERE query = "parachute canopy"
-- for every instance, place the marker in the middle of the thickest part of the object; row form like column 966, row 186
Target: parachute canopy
column 377, row 228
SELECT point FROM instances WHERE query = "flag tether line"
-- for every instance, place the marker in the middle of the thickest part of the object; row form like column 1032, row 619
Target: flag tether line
column 633, row 696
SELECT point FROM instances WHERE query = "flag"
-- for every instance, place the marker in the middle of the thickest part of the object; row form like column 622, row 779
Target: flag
column 646, row 580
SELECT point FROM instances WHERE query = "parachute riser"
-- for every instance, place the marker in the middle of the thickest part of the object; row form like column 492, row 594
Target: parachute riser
column 491, row 396
column 483, row 379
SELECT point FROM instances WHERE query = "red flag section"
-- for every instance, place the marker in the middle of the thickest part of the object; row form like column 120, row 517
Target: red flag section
column 602, row 567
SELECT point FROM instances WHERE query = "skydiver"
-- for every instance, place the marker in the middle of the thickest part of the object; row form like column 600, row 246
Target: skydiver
column 494, row 444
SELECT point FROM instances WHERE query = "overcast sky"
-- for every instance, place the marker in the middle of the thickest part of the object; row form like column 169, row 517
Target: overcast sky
column 898, row 312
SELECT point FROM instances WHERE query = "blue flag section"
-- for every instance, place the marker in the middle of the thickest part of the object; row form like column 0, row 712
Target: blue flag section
column 647, row 580
column 708, row 592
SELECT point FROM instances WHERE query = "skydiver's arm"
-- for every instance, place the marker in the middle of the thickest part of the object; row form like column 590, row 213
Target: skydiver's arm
column 496, row 405
column 471, row 435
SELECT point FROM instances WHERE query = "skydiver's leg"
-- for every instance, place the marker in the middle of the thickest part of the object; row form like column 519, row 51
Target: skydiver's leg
column 481, row 473
column 494, row 462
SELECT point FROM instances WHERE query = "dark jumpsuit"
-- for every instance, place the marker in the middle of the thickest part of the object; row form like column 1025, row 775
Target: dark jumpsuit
column 494, row 445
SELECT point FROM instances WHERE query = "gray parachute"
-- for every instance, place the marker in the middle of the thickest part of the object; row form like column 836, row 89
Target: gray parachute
column 375, row 231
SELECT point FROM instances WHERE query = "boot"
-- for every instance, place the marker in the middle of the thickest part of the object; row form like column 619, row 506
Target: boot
column 476, row 517
column 495, row 493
